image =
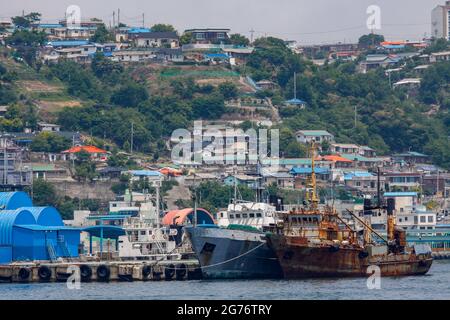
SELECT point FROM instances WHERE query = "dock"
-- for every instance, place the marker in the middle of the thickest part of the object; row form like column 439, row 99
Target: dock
column 111, row 271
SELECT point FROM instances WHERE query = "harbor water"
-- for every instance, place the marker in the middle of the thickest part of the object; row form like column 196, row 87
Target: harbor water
column 434, row 285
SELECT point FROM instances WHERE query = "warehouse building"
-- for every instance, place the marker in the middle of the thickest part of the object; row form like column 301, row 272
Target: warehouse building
column 30, row 233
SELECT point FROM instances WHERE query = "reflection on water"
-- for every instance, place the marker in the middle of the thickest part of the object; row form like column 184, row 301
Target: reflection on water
column 434, row 285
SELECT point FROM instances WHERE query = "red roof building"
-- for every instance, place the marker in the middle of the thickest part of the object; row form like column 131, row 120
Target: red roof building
column 88, row 149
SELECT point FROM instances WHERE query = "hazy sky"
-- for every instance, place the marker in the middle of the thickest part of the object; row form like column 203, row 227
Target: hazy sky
column 307, row 21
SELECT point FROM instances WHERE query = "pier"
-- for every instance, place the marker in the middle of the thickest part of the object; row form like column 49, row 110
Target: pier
column 100, row 271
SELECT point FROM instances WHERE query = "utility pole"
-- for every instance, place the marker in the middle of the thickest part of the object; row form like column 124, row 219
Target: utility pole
column 132, row 137
column 295, row 85
column 118, row 17
column 251, row 35
column 143, row 20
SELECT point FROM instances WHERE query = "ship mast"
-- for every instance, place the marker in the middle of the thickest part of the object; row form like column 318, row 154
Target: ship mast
column 313, row 193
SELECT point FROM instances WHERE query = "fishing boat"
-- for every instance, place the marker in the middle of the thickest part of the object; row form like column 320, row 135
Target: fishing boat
column 146, row 238
column 315, row 241
column 236, row 248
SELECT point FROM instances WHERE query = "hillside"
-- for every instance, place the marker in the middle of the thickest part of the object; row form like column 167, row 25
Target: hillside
column 104, row 98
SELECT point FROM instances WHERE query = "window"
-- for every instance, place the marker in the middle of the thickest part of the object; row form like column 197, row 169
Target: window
column 221, row 214
column 220, row 35
column 259, row 215
column 252, row 215
column 423, row 219
column 430, row 219
column 406, row 218
column 238, row 216
column 200, row 36
column 231, row 216
column 244, row 215
column 143, row 233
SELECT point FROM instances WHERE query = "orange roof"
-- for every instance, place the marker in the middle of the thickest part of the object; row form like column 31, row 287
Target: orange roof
column 168, row 171
column 88, row 149
column 387, row 43
column 335, row 158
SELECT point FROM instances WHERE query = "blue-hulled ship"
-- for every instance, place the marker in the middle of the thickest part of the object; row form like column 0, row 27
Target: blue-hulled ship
column 236, row 248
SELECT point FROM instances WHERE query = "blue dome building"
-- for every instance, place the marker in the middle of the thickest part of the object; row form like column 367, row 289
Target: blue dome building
column 14, row 200
column 30, row 233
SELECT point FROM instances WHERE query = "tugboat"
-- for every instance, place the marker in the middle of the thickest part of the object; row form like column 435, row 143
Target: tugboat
column 317, row 242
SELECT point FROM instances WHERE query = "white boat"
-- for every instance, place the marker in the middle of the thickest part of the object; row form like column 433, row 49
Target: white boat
column 145, row 237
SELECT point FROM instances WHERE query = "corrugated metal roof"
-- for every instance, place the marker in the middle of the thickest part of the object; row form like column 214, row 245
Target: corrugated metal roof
column 317, row 170
column 14, row 200
column 400, row 194
column 314, row 133
column 10, row 218
column 146, row 173
column 46, row 216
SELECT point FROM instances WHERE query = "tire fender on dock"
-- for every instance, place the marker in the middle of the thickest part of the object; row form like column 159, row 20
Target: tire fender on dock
column 181, row 271
column 169, row 271
column 44, row 273
column 146, row 271
column 24, row 274
column 103, row 272
column 85, row 273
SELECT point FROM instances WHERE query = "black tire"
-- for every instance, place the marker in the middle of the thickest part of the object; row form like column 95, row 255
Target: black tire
column 44, row 273
column 24, row 274
column 363, row 254
column 85, row 272
column 146, row 271
column 334, row 248
column 103, row 273
column 169, row 272
column 181, row 271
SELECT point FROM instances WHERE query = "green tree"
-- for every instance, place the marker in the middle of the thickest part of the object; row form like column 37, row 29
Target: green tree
column 49, row 142
column 160, row 27
column 228, row 90
column 105, row 68
column 186, row 38
column 130, row 95
column 44, row 193
column 239, row 40
column 26, row 20
column 209, row 107
column 102, row 35
column 370, row 40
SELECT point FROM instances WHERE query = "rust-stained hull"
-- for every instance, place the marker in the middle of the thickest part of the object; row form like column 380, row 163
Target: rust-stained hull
column 300, row 260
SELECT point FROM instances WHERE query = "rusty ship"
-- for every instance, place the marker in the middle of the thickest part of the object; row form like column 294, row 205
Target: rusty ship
column 315, row 241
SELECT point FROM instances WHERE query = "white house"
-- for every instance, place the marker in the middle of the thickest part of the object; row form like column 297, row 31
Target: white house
column 318, row 136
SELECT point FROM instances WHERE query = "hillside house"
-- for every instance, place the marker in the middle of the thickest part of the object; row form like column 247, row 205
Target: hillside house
column 156, row 40
column 209, row 35
column 95, row 153
column 48, row 127
column 404, row 181
column 318, row 136
column 133, row 55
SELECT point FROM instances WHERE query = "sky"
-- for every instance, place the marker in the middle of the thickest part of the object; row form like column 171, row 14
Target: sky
column 306, row 21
